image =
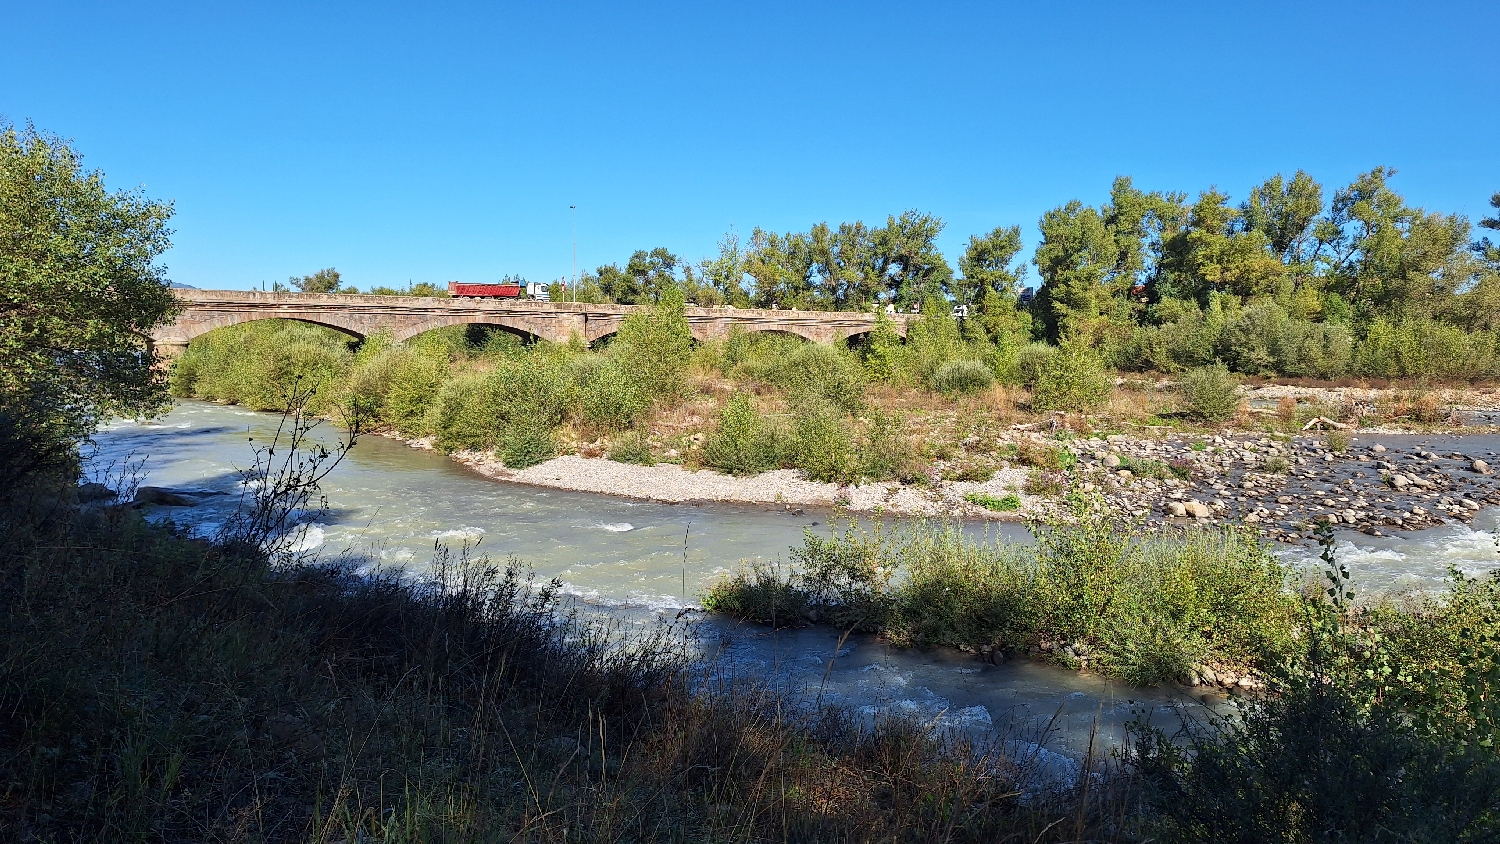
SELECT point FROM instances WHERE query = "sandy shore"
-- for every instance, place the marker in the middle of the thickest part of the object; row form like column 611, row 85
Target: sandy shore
column 672, row 483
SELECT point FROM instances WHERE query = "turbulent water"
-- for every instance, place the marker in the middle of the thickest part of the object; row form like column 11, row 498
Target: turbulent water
column 390, row 505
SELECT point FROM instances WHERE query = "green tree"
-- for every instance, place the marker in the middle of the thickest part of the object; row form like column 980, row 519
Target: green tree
column 1487, row 251
column 80, row 290
column 1388, row 258
column 781, row 267
column 1075, row 259
column 655, row 344
column 1093, row 261
column 907, row 259
column 986, row 265
column 726, row 272
column 1216, row 252
column 322, row 281
column 1284, row 211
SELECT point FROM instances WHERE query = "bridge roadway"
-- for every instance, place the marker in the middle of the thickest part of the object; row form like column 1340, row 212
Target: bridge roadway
column 404, row 317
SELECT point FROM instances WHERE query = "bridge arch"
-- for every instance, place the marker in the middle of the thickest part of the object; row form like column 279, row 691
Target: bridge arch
column 198, row 328
column 511, row 325
column 782, row 331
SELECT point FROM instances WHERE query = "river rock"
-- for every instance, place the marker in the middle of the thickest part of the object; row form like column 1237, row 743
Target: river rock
column 1112, row 461
column 163, row 497
column 1197, row 509
column 94, row 492
column 1377, row 448
column 1480, row 466
column 1400, row 481
column 1176, row 508
column 1208, row 675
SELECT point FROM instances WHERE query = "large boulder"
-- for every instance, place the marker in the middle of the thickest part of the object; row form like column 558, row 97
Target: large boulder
column 163, row 497
column 94, row 492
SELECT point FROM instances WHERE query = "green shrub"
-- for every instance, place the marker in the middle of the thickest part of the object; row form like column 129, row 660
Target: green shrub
column 1073, row 379
column 610, row 396
column 655, row 345
column 522, row 398
column 961, row 376
column 1031, row 360
column 805, row 371
column 256, row 363
column 1007, row 504
column 885, row 452
column 1265, row 340
column 1379, row 725
column 412, row 391
column 1425, row 348
column 522, row 446
column 760, row 594
column 1210, row 392
column 743, row 444
column 815, row 372
column 632, row 447
column 822, row 444
column 1145, row 610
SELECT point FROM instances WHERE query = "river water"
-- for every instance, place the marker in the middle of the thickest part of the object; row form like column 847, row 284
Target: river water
column 390, row 505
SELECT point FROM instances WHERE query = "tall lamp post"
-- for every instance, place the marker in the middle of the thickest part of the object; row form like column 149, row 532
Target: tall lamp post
column 574, row 209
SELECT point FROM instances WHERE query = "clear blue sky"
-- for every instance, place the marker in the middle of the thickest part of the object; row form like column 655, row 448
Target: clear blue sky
column 440, row 141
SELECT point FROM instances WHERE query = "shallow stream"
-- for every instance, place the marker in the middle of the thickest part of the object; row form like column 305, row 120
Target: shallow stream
column 390, row 504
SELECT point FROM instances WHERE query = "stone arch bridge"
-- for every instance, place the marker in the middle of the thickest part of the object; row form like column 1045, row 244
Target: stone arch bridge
column 404, row 317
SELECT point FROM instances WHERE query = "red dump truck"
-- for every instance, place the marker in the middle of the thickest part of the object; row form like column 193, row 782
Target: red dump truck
column 486, row 291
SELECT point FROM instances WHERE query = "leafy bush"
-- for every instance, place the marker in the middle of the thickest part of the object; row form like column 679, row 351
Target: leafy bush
column 1265, row 340
column 1378, row 726
column 761, row 594
column 1007, row 504
column 1032, row 360
column 822, row 445
column 743, row 444
column 965, row 375
column 632, row 447
column 522, row 446
column 610, row 396
column 655, row 345
column 817, row 372
column 805, row 371
column 886, row 451
column 1210, row 392
column 514, row 405
column 256, row 363
column 1425, row 348
column 1073, row 380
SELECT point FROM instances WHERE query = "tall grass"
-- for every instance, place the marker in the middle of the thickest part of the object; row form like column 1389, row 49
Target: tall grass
column 1089, row 591
column 163, row 688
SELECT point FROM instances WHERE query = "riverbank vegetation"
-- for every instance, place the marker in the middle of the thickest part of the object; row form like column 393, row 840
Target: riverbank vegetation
column 174, row 689
column 1090, row 593
column 177, row 689
column 159, row 686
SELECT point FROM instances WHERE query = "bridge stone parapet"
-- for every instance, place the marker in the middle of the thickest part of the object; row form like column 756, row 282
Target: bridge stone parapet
column 404, row 317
